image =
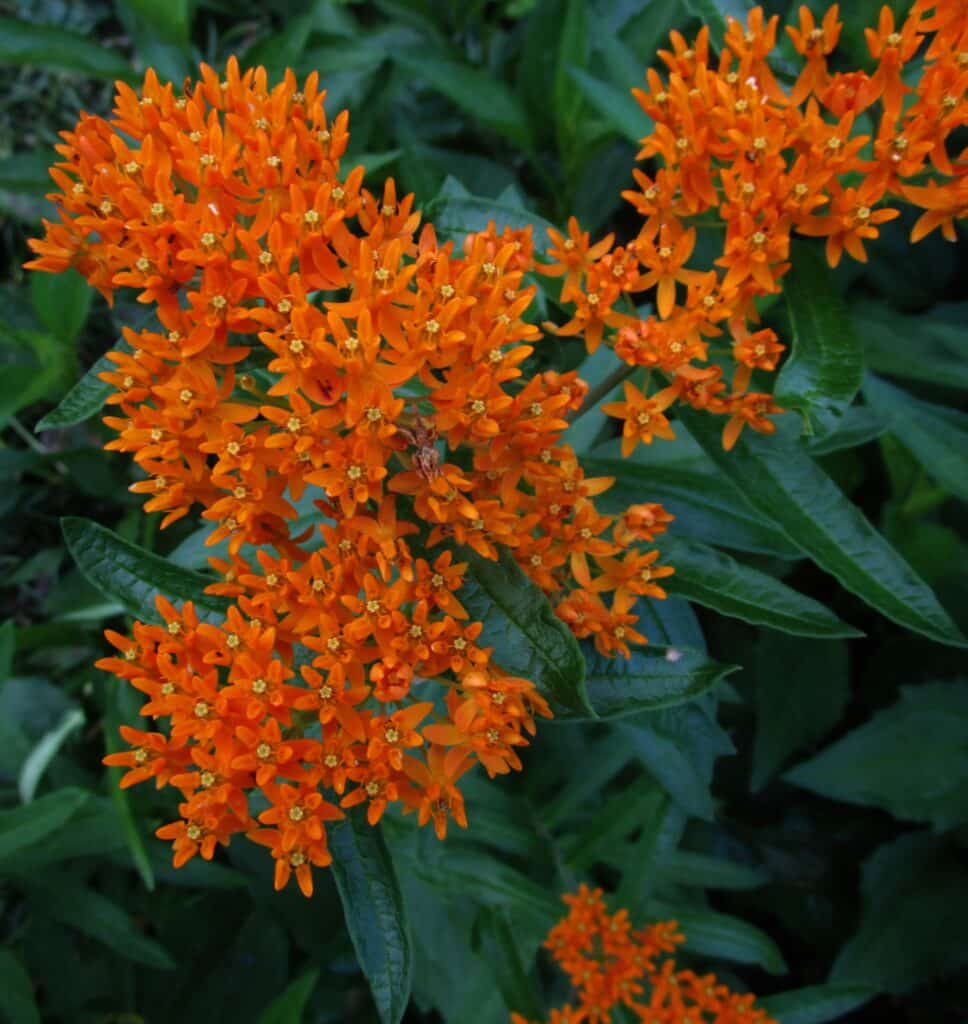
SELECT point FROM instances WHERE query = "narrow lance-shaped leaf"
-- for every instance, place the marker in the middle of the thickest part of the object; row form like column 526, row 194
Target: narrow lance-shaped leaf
column 572, row 52
column 23, row 826
column 802, row 688
column 817, row 1004
column 710, row 933
column 824, row 372
column 915, row 892
column 495, row 935
column 134, row 576
column 171, row 19
column 931, row 346
column 375, row 914
column 85, row 399
column 18, row 993
column 715, row 580
column 872, row 765
column 936, row 436
column 45, row 751
column 119, row 796
column 457, row 215
column 783, row 483
column 530, row 641
column 47, row 46
column 652, row 678
column 616, row 105
column 290, row 1005
column 717, row 14
column 477, row 92
column 679, row 746
column 705, row 504
column 62, row 302
column 65, row 899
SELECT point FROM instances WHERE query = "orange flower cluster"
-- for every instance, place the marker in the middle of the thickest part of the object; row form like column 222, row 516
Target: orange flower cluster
column 610, row 966
column 310, row 343
column 768, row 160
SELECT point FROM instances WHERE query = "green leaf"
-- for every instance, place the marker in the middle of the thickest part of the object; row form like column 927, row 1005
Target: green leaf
column 171, row 18
column 931, row 346
column 456, row 216
column 119, row 796
column 24, row 826
column 616, row 818
column 681, row 867
column 616, row 105
column 62, row 302
column 91, row 832
column 716, row 14
column 679, row 746
column 44, row 752
column 910, row 759
column 373, row 162
column 478, row 93
column 935, row 435
column 27, row 173
column 448, row 975
column 68, row 901
column 281, row 49
column 824, row 371
column 85, row 399
column 573, row 51
column 58, row 49
column 537, row 66
column 18, row 1006
column 530, row 641
column 8, row 647
column 709, row 933
column 134, row 576
column 714, row 579
column 652, row 678
column 474, row 873
column 802, row 689
column 817, row 1004
column 915, row 893
column 496, row 940
column 784, row 484
column 289, row 1007
column 705, row 504
column 375, row 914
column 857, row 426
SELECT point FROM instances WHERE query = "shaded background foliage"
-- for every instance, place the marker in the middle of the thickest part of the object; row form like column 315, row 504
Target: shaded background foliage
column 827, row 848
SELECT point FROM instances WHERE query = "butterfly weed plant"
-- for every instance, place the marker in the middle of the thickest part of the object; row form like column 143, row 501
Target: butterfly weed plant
column 420, row 560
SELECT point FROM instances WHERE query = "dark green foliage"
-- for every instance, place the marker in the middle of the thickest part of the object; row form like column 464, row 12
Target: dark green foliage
column 782, row 769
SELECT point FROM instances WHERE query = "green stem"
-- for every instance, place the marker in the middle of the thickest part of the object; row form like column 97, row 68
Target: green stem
column 25, row 435
column 597, row 393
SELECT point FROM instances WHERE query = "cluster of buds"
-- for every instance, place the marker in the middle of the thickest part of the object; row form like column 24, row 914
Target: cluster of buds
column 767, row 160
column 611, row 966
column 313, row 345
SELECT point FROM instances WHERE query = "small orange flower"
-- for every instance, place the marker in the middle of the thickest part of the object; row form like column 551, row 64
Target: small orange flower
column 314, row 344
column 733, row 144
column 642, row 415
column 613, row 967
